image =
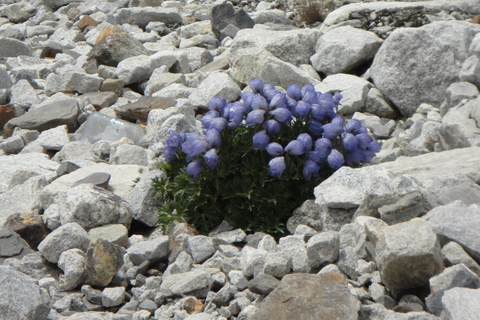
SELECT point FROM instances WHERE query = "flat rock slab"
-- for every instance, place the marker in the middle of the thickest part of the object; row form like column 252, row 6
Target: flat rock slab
column 309, row 296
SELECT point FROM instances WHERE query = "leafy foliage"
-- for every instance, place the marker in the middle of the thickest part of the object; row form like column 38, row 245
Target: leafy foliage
column 259, row 159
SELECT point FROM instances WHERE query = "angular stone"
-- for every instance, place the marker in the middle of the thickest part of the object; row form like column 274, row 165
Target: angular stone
column 12, row 245
column 114, row 44
column 12, row 145
column 318, row 296
column 48, row 116
column 129, row 154
column 72, row 263
column 30, row 227
column 113, row 233
column 379, row 312
column 343, row 49
column 21, row 297
column 215, row 85
column 82, row 82
column 224, row 15
column 399, row 67
column 67, row 167
column 461, row 303
column 23, row 95
column 68, row 236
column 277, row 264
column 378, row 105
column 142, row 107
column 99, row 179
column 456, row 276
column 200, row 248
column 294, row 246
column 112, row 297
column 453, row 254
column 103, row 261
column 459, row 223
column 54, row 139
column 101, row 100
column 151, row 250
column 143, row 16
column 263, row 284
column 196, row 283
column 159, row 81
column 85, row 22
column 14, row 48
column 134, row 69
column 295, row 46
column 408, row 254
column 322, row 249
column 309, row 214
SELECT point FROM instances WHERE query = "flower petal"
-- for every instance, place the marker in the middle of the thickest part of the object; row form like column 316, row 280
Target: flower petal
column 295, row 148
column 211, row 158
column 260, row 140
column 255, row 117
column 282, row 115
column 335, row 159
column 256, row 85
column 195, row 167
column 274, row 149
column 277, row 166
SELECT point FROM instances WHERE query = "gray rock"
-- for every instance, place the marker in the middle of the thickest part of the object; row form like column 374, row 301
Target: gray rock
column 14, row 48
column 183, row 263
column 5, row 79
column 469, row 70
column 379, row 312
column 72, row 263
column 353, row 89
column 249, row 258
column 457, row 92
column 12, row 145
column 174, row 91
column 456, row 276
column 99, row 179
column 92, row 206
column 21, row 297
column 113, row 233
column 67, row 167
column 354, row 46
column 224, row 15
column 318, row 296
column 277, row 264
column 100, row 100
column 197, row 57
column 309, row 214
column 322, row 249
column 196, row 283
column 18, row 12
column 160, row 80
column 229, row 237
column 54, row 84
column 459, row 223
column 215, row 85
column 263, row 284
column 103, row 260
column 454, row 254
column 259, row 63
column 200, row 248
column 151, row 250
column 411, row 205
column 33, row 265
column 92, row 295
column 129, row 154
column 68, row 236
column 460, row 303
column 294, row 246
column 47, row 116
column 238, row 279
column 12, row 245
column 408, row 254
column 269, row 16
column 112, row 297
column 143, row 16
column 378, row 105
column 54, row 139
column 82, row 82
column 399, row 68
column 295, row 46
column 23, row 95
column 135, row 69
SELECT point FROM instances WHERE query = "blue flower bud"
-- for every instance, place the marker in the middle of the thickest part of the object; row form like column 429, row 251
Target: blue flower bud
column 277, row 166
column 207, row 119
column 335, row 159
column 323, row 146
column 337, row 96
column 363, row 140
column 213, row 138
column 310, row 97
column 315, row 128
column 218, row 124
column 309, row 88
column 247, row 98
column 270, row 94
column 260, row 140
column 295, row 148
column 259, row 102
column 272, row 127
column 256, row 85
column 255, row 117
column 331, row 131
column 217, row 104
column 310, row 168
column 353, row 126
column 282, row 115
column 316, row 156
column 306, row 140
column 302, row 109
column 349, row 142
column 199, row 146
column 338, row 120
column 278, row 101
column 211, row 158
column 274, row 149
column 294, row 92
column 355, row 156
column 236, row 115
column 195, row 167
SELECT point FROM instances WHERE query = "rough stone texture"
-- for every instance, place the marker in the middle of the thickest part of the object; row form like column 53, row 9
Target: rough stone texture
column 99, row 179
column 30, row 227
column 92, row 206
column 21, row 297
column 113, row 233
column 200, row 248
column 11, row 245
column 459, row 223
column 54, row 139
column 403, row 66
column 134, row 69
column 225, row 15
column 343, row 49
column 456, row 276
column 82, row 82
column 196, row 283
column 408, row 254
column 379, row 312
column 217, row 84
column 318, row 296
column 143, row 16
column 68, row 236
column 141, row 108
column 309, row 214
column 453, row 254
column 295, row 46
column 151, row 250
column 322, row 249
column 14, row 48
column 112, row 297
column 72, row 263
column 103, row 261
column 461, row 303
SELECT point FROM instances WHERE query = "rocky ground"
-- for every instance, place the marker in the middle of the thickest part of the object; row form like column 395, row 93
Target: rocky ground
column 398, row 239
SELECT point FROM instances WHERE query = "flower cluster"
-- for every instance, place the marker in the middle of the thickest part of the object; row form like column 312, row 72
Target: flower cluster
column 328, row 139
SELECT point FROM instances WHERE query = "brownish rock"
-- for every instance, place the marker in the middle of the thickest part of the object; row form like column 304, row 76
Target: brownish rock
column 310, row 296
column 139, row 109
column 101, row 100
column 104, row 259
column 112, row 85
column 7, row 112
column 476, row 19
column 114, row 44
column 30, row 227
column 85, row 22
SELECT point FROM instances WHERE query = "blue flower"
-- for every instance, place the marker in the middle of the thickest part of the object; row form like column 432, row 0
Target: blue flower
column 277, row 166
column 291, row 104
column 349, row 142
column 323, row 146
column 310, row 97
column 195, row 167
column 171, row 144
column 211, row 158
column 302, row 109
column 310, row 168
column 335, row 159
column 272, row 127
column 269, row 94
column 199, row 146
column 372, row 148
column 207, row 119
column 279, row 100
column 213, row 138
column 260, row 140
column 295, row 148
column 255, row 117
column 294, row 92
column 353, row 126
column 363, row 140
column 337, row 96
column 247, row 98
column 236, row 114
column 338, row 120
column 355, row 156
column 256, row 85
column 217, row 104
column 316, row 156
column 259, row 102
column 274, row 149
column 309, row 88
column 331, row 131
column 315, row 128
column 282, row 115
column 306, row 140
column 218, row 124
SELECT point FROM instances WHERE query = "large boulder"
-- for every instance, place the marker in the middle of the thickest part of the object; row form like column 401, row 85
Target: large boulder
column 309, row 296
column 416, row 65
column 21, row 297
column 408, row 254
